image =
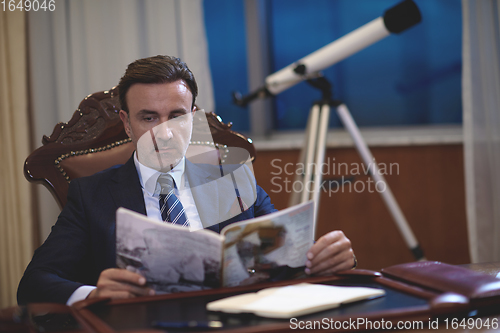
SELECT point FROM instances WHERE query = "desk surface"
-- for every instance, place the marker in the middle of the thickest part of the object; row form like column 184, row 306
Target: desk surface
column 121, row 316
column 125, row 315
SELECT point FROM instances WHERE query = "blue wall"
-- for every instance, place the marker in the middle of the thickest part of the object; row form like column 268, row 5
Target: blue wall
column 407, row 79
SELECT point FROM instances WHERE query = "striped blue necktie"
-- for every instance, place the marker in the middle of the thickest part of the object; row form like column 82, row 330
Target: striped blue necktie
column 171, row 208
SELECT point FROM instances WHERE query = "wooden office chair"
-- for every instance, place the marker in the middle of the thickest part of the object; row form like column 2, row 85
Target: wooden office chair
column 94, row 140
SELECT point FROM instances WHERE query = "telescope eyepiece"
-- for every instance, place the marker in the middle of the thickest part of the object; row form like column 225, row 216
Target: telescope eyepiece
column 402, row 16
column 300, row 69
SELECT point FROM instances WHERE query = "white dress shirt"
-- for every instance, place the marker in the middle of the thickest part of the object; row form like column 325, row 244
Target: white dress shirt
column 151, row 192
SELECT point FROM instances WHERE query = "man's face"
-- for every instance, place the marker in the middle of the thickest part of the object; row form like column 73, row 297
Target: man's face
column 159, row 122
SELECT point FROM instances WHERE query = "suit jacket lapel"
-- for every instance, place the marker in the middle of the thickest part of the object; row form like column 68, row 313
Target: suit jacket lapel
column 126, row 188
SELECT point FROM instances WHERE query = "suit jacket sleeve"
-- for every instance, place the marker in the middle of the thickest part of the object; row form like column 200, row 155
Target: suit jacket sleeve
column 263, row 203
column 60, row 261
column 82, row 242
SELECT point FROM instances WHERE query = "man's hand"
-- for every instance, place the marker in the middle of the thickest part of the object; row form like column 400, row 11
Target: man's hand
column 120, row 283
column 331, row 253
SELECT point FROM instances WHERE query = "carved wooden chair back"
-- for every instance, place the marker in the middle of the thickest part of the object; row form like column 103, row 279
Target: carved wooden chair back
column 94, row 140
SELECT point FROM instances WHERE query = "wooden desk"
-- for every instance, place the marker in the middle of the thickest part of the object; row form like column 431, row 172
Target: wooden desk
column 409, row 305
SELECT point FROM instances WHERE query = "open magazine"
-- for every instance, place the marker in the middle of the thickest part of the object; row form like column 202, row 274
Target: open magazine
column 269, row 248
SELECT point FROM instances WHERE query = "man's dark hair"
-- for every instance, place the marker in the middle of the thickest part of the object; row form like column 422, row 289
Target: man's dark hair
column 157, row 69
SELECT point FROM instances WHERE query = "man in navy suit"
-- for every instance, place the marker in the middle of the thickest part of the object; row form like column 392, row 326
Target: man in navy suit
column 77, row 260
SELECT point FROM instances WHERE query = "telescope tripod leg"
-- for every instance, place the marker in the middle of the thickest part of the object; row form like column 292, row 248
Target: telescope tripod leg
column 305, row 156
column 386, row 193
column 311, row 158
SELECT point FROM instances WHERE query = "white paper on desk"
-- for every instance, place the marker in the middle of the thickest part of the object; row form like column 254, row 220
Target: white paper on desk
column 295, row 300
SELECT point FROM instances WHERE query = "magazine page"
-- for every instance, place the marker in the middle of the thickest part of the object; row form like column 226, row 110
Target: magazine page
column 269, row 248
column 171, row 257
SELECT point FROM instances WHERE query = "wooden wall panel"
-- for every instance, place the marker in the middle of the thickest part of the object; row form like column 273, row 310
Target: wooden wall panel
column 427, row 181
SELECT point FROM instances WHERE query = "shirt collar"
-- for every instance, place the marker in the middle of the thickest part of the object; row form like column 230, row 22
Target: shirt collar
column 149, row 177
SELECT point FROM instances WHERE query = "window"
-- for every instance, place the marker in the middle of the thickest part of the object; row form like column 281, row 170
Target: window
column 413, row 78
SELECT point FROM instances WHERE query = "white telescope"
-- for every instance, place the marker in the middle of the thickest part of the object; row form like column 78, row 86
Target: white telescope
column 395, row 20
